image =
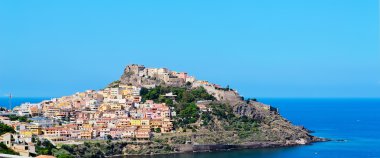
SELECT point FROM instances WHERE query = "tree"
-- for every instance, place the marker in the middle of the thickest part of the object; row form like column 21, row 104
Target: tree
column 64, row 155
column 190, row 114
column 5, row 129
column 251, row 99
column 22, row 119
column 19, row 118
column 5, row 150
column 33, row 139
column 109, row 137
column 144, row 91
column 45, row 147
column 157, row 130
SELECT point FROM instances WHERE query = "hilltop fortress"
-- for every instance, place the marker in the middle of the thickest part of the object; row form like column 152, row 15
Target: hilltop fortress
column 139, row 75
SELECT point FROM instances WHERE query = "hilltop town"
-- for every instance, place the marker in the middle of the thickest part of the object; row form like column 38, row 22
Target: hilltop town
column 148, row 111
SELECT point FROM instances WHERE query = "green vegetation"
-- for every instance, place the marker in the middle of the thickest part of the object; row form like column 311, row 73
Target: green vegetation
column 61, row 153
column 19, row 118
column 109, row 137
column 243, row 125
column 157, row 130
column 184, row 95
column 188, row 115
column 184, row 103
column 251, row 99
column 44, row 147
column 188, row 112
column 104, row 149
column 5, row 150
column 5, row 129
column 206, row 118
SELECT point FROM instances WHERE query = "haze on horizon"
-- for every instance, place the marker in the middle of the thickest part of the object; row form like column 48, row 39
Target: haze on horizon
column 263, row 49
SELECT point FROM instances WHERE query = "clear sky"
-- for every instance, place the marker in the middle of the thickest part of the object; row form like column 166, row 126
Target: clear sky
column 262, row 48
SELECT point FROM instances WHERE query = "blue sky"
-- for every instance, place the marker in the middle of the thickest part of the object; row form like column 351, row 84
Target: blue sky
column 291, row 48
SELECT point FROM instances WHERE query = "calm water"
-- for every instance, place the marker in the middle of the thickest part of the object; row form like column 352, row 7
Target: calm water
column 355, row 120
column 4, row 101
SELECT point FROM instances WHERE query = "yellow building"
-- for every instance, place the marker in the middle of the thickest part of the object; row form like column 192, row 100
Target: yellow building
column 64, row 104
column 135, row 122
column 35, row 129
column 26, row 133
column 87, row 126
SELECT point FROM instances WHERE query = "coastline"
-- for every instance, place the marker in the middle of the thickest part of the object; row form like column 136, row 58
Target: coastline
column 189, row 148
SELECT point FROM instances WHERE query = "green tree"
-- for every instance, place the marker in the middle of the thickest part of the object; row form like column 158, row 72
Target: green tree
column 109, row 137
column 45, row 147
column 5, row 129
column 190, row 113
column 5, row 150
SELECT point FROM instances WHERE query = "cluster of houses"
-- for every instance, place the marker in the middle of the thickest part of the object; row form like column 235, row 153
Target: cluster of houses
column 111, row 112
column 117, row 112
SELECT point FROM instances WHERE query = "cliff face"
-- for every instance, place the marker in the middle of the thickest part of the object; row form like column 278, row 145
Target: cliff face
column 272, row 126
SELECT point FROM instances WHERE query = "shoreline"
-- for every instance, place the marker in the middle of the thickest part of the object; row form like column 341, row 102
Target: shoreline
column 188, row 148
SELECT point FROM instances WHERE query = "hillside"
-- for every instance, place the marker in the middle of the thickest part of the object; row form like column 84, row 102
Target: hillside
column 226, row 117
column 160, row 111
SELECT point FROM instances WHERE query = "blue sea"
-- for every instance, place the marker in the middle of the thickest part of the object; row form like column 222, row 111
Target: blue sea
column 4, row 101
column 355, row 121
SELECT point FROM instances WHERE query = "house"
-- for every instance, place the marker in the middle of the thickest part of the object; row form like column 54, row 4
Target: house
column 114, row 91
column 145, row 123
column 42, row 121
column 18, row 144
column 156, row 123
column 26, row 133
column 167, row 125
column 5, row 120
column 53, row 131
column 116, row 132
column 135, row 122
column 170, row 96
column 129, row 132
column 34, row 111
column 143, row 134
column 7, row 139
column 35, row 129
column 85, row 135
column 104, row 132
column 202, row 107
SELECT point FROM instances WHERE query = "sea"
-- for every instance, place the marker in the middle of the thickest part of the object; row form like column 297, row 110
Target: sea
column 352, row 124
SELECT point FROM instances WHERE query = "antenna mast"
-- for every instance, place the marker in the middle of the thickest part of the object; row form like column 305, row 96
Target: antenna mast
column 10, row 101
